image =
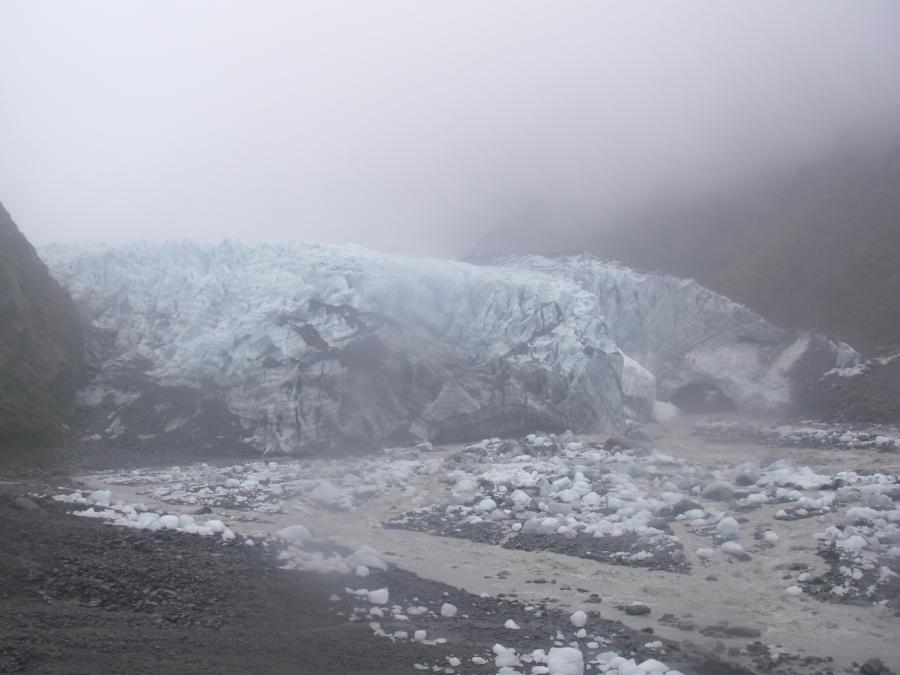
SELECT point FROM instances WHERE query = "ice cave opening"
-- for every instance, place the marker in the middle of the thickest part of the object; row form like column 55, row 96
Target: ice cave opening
column 702, row 398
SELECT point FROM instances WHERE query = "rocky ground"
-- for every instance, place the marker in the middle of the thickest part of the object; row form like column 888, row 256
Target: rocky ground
column 866, row 394
column 672, row 552
column 80, row 596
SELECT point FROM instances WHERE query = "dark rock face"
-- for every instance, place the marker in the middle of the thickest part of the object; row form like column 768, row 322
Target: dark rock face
column 868, row 394
column 41, row 346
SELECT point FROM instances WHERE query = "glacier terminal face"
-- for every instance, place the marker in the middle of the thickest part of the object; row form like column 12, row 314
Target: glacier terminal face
column 689, row 336
column 293, row 347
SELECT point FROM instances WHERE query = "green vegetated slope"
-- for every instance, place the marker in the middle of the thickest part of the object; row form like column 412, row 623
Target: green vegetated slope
column 816, row 247
column 41, row 347
column 819, row 248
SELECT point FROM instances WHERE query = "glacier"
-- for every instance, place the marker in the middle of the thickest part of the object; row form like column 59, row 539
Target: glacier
column 296, row 347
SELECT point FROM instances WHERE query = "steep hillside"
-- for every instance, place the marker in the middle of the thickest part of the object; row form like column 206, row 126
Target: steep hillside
column 816, row 247
column 41, row 347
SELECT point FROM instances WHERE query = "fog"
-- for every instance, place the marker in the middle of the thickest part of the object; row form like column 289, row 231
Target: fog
column 416, row 126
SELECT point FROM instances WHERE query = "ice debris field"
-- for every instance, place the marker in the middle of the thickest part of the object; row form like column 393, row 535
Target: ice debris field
column 611, row 503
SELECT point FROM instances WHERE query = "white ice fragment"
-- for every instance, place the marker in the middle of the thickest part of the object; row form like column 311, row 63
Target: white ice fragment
column 578, row 619
column 328, row 494
column 144, row 519
column 728, row 528
column 295, row 534
column 568, row 495
column 464, row 485
column 565, row 661
column 101, row 497
column 448, row 610
column 367, row 556
column 511, row 625
column 378, row 597
column 732, row 548
column 591, row 500
column 486, row 505
column 169, row 522
column 853, row 543
column 505, row 658
column 520, row 498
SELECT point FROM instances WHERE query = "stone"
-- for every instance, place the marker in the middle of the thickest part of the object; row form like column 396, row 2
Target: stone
column 635, row 609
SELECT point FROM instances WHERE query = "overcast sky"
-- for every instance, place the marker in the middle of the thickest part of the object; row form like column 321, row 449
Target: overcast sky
column 415, row 125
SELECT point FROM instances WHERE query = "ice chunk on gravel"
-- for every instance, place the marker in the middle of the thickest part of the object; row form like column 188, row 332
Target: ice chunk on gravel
column 169, row 522
column 578, row 619
column 367, row 556
column 654, row 667
column 295, row 534
column 506, row 657
column 568, row 495
column 486, row 505
column 328, row 494
column 448, row 610
column 732, row 548
column 853, row 543
column 565, row 661
column 727, row 528
column 101, row 497
column 511, row 625
column 465, row 485
column 144, row 519
column 378, row 597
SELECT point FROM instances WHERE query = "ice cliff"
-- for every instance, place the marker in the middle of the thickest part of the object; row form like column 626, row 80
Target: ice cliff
column 292, row 347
